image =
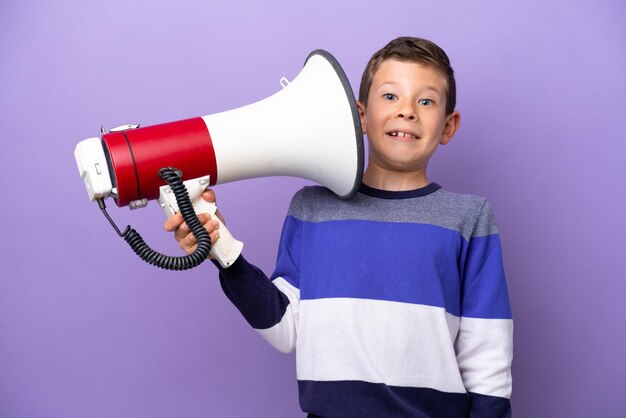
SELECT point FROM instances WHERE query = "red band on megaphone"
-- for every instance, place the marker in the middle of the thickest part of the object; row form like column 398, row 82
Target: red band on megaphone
column 137, row 155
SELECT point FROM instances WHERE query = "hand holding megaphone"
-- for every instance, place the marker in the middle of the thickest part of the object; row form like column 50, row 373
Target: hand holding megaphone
column 227, row 249
column 214, row 225
column 183, row 235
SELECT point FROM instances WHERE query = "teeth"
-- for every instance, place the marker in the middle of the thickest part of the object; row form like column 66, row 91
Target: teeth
column 402, row 134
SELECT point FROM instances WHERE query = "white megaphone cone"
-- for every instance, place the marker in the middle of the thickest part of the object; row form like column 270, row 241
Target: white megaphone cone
column 309, row 129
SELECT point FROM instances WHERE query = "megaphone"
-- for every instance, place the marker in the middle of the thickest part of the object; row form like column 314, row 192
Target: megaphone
column 310, row 129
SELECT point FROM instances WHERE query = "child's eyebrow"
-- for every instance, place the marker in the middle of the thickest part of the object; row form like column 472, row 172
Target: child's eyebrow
column 431, row 88
column 425, row 88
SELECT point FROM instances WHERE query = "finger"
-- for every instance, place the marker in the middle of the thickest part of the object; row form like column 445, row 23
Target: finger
column 173, row 222
column 190, row 239
column 204, row 218
column 209, row 195
column 190, row 249
column 187, row 242
column 211, row 226
column 184, row 228
column 181, row 232
column 214, row 236
column 219, row 216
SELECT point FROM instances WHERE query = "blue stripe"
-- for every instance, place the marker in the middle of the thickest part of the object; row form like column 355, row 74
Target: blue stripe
column 484, row 286
column 402, row 262
column 362, row 399
column 288, row 259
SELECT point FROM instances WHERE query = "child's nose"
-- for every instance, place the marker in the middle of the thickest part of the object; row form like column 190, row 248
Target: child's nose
column 406, row 111
column 407, row 114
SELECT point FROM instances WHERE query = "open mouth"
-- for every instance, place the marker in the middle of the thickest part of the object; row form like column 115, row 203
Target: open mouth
column 402, row 134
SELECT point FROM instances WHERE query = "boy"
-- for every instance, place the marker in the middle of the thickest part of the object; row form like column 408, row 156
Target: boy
column 395, row 300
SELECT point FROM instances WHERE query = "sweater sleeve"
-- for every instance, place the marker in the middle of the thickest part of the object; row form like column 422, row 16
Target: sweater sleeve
column 270, row 306
column 484, row 345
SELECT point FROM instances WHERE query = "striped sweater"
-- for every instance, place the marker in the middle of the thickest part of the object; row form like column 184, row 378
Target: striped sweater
column 395, row 302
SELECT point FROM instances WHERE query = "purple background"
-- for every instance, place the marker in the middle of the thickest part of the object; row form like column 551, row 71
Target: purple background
column 88, row 330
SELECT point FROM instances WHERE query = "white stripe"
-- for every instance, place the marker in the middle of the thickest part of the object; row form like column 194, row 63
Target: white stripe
column 395, row 343
column 282, row 336
column 292, row 292
column 485, row 353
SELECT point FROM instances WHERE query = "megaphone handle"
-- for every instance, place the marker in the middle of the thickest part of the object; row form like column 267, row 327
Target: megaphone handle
column 226, row 249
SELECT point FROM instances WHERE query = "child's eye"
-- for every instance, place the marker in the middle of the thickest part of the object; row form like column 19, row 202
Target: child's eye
column 389, row 96
column 426, row 102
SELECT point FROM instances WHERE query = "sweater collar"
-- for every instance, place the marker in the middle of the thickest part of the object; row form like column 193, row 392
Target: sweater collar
column 404, row 194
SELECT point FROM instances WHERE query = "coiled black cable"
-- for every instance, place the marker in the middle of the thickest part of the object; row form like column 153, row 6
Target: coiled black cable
column 147, row 254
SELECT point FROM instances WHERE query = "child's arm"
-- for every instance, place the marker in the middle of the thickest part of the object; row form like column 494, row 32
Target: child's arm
column 484, row 345
column 270, row 307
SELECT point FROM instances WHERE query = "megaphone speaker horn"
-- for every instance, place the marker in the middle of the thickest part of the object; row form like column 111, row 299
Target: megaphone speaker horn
column 310, row 129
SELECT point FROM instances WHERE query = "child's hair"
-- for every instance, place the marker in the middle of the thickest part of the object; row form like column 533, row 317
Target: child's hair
column 421, row 51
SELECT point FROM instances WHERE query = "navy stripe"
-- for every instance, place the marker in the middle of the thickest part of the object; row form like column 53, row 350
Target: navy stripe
column 250, row 290
column 429, row 257
column 358, row 399
column 403, row 194
column 484, row 406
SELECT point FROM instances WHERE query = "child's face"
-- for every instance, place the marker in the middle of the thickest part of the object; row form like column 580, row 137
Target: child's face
column 405, row 116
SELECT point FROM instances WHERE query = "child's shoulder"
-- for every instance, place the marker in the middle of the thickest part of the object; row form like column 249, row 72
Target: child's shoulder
column 315, row 203
column 459, row 202
column 470, row 214
column 314, row 193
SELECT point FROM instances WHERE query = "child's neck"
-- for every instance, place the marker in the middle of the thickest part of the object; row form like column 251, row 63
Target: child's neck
column 393, row 180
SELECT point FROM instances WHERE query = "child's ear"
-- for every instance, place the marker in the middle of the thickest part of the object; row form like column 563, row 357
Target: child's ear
column 453, row 121
column 362, row 116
